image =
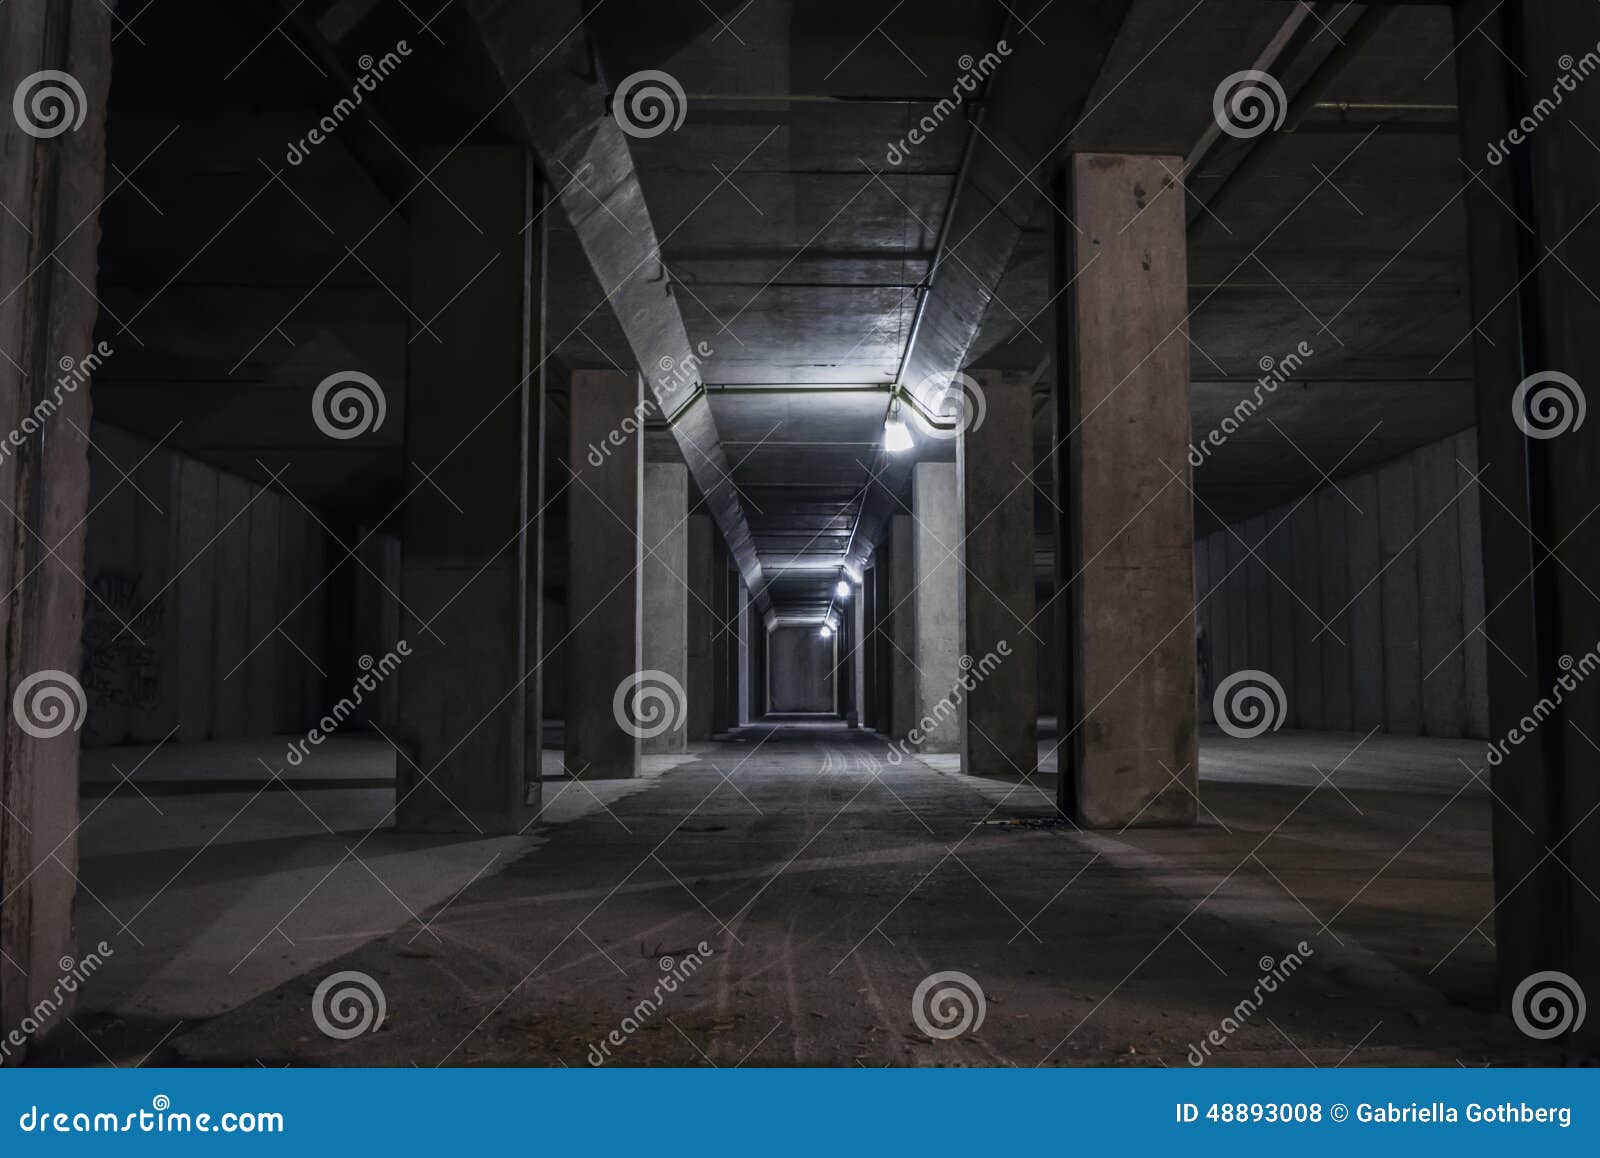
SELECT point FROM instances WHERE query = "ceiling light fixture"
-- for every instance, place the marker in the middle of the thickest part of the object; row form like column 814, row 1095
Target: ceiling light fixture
column 896, row 435
column 827, row 630
column 842, row 589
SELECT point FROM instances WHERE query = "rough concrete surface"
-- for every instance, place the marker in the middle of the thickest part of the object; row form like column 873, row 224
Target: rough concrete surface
column 828, row 882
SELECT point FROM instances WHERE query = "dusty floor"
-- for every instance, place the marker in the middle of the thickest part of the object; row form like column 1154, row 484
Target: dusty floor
column 827, row 884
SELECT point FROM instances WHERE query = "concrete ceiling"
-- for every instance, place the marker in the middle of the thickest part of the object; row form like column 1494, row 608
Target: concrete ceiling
column 792, row 247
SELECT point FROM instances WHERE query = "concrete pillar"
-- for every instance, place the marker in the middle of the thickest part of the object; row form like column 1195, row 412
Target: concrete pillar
column 759, row 638
column 902, row 634
column 847, row 643
column 936, row 505
column 704, row 615
column 746, row 647
column 1531, row 317
column 464, row 531
column 1127, row 534
column 664, row 626
column 858, row 654
column 50, row 186
column 725, row 639
column 603, row 585
column 882, row 650
column 869, row 649
column 999, row 710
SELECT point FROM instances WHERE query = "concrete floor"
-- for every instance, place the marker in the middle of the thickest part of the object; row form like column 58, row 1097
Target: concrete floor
column 827, row 883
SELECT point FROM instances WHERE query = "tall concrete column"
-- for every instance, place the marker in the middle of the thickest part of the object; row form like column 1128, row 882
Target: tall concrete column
column 869, row 648
column 882, row 651
column 465, row 531
column 605, row 516
column 999, row 708
column 758, row 662
column 858, row 655
column 1529, row 209
column 664, row 623
column 725, row 639
column 936, row 529
column 844, row 670
column 1126, row 540
column 703, row 609
column 746, row 645
column 50, row 187
column 901, row 636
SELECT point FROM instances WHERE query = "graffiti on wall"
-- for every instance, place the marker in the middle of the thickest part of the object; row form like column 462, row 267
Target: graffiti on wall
column 121, row 666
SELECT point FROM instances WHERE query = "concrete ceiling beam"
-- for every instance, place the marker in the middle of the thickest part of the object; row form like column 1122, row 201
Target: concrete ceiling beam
column 556, row 85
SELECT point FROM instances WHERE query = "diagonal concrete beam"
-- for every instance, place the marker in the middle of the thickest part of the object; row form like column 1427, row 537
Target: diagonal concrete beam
column 543, row 54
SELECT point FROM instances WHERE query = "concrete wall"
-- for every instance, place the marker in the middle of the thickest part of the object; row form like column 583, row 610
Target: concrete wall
column 1393, row 566
column 801, row 670
column 203, row 568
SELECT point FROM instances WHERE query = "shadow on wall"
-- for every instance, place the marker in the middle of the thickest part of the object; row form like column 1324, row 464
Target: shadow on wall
column 1362, row 600
column 210, row 605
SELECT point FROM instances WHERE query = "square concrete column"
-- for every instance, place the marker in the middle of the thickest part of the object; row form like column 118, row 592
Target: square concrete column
column 858, row 654
column 470, row 426
column 936, row 532
column 49, row 188
column 1126, row 540
column 664, row 625
column 605, row 515
column 901, row 637
column 759, row 676
column 703, row 607
column 869, row 648
column 1536, row 365
column 999, row 707
column 724, row 637
column 725, row 642
column 846, row 643
column 746, row 647
column 882, row 651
